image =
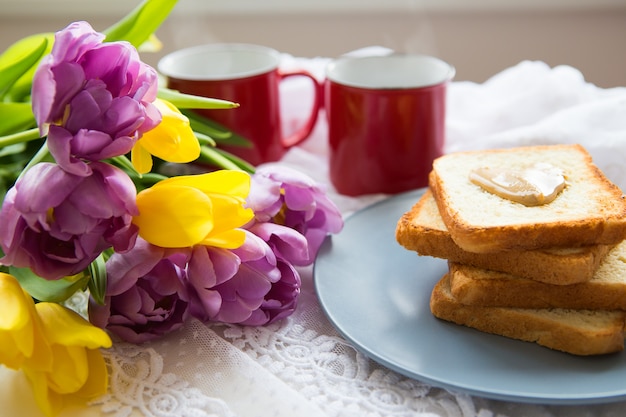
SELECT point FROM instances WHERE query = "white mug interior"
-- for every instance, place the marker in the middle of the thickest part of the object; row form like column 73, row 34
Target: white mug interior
column 219, row 62
column 394, row 71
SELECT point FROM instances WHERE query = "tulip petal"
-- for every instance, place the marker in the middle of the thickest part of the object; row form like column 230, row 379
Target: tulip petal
column 65, row 327
column 173, row 216
column 70, row 369
column 141, row 158
column 227, row 190
column 98, row 381
column 49, row 402
column 17, row 330
column 231, row 182
column 11, row 355
column 230, row 212
column 231, row 239
column 14, row 304
column 173, row 139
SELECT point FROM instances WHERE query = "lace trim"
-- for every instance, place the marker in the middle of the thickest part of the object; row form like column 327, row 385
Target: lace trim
column 137, row 382
column 353, row 384
column 301, row 351
column 79, row 302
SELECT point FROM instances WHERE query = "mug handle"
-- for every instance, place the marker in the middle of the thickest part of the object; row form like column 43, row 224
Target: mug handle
column 304, row 132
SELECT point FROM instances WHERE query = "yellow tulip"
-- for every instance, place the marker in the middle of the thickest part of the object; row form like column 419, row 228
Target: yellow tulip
column 171, row 140
column 55, row 347
column 78, row 371
column 189, row 210
column 21, row 338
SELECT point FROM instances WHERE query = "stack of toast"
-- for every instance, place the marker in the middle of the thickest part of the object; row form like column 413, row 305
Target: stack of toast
column 551, row 271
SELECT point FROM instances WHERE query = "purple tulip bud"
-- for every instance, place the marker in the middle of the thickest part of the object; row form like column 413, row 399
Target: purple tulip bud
column 290, row 248
column 285, row 242
column 282, row 298
column 284, row 196
column 146, row 296
column 56, row 223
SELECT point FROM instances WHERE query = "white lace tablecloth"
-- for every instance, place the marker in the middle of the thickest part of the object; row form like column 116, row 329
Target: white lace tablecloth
column 301, row 366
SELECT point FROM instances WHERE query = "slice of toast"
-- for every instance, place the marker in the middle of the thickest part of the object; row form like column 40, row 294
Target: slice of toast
column 422, row 230
column 590, row 210
column 579, row 332
column 605, row 291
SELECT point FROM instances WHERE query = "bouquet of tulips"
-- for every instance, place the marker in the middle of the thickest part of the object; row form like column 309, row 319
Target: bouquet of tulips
column 85, row 134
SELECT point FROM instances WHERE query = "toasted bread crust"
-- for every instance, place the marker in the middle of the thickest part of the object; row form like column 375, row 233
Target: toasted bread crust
column 605, row 291
column 579, row 332
column 591, row 210
column 422, row 230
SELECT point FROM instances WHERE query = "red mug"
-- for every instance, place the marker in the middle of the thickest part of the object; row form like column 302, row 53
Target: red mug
column 386, row 120
column 249, row 75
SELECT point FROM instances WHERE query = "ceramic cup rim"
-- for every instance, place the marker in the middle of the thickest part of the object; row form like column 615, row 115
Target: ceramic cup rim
column 183, row 64
column 357, row 71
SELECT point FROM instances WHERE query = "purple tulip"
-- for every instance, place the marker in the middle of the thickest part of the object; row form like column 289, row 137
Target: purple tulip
column 284, row 196
column 146, row 296
column 92, row 99
column 282, row 299
column 227, row 286
column 56, row 223
column 290, row 247
column 286, row 243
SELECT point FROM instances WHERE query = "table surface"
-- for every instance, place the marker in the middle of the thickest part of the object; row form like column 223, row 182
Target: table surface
column 302, row 366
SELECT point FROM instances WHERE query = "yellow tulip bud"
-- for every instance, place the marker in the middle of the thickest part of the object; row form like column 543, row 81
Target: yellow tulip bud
column 195, row 209
column 78, row 370
column 171, row 140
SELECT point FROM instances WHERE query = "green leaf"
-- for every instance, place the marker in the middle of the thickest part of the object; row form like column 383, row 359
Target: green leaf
column 8, row 175
column 222, row 159
column 137, row 26
column 98, row 282
column 25, row 50
column 16, row 62
column 15, row 149
column 15, row 117
column 4, row 186
column 43, row 154
column 54, row 291
column 141, row 181
column 205, row 140
column 215, row 130
column 123, row 162
column 189, row 101
column 146, row 180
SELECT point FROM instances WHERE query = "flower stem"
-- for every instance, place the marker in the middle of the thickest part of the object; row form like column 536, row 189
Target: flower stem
column 141, row 180
column 213, row 156
column 41, row 154
column 125, row 164
column 24, row 136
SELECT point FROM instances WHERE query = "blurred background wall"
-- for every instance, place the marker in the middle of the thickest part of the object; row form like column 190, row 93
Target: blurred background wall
column 479, row 37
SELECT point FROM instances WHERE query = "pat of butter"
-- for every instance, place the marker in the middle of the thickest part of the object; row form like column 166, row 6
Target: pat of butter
column 532, row 186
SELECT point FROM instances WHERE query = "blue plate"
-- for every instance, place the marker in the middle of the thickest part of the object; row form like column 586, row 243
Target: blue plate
column 377, row 294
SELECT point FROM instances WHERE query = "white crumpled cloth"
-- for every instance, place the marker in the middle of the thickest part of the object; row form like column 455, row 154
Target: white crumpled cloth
column 302, row 367
column 531, row 104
